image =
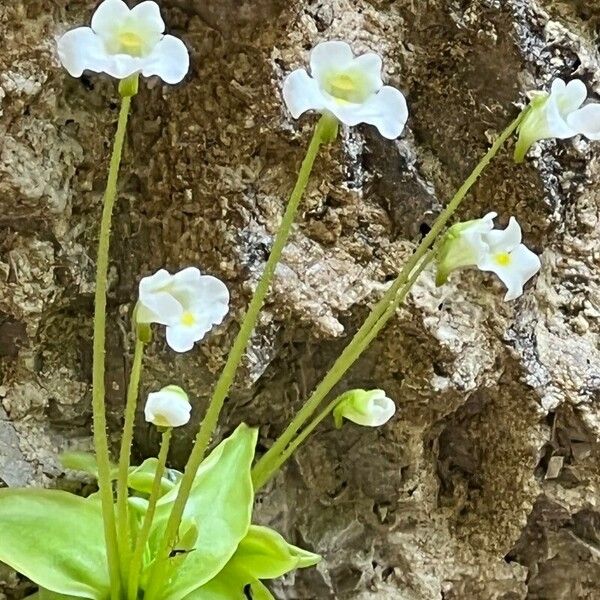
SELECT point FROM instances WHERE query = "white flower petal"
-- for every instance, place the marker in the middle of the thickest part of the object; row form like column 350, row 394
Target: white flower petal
column 156, row 304
column 386, row 110
column 526, row 263
column 181, row 338
column 330, row 56
column 586, row 120
column 161, row 278
column 81, row 49
column 159, row 307
column 509, row 277
column 370, row 65
column 570, row 96
column 504, row 240
column 302, row 93
column 523, row 265
column 148, row 13
column 564, row 99
column 169, row 59
column 108, row 16
column 187, row 276
column 119, row 66
column 214, row 297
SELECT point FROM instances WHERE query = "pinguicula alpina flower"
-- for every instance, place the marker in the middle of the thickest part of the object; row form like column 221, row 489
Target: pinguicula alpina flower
column 370, row 408
column 188, row 303
column 475, row 243
column 558, row 114
column 123, row 42
column 509, row 259
column 170, row 407
column 348, row 87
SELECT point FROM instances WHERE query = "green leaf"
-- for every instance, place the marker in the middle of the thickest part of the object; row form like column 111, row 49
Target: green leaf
column 266, row 555
column 84, row 461
column 220, row 505
column 141, row 478
column 48, row 595
column 231, row 584
column 56, row 539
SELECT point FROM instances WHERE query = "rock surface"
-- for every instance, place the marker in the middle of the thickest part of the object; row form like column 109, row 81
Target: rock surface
column 486, row 484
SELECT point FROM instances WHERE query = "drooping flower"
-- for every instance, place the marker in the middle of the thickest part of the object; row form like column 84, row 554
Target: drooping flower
column 558, row 114
column 476, row 243
column 188, row 303
column 370, row 408
column 463, row 246
column 509, row 259
column 170, row 407
column 122, row 42
column 348, row 87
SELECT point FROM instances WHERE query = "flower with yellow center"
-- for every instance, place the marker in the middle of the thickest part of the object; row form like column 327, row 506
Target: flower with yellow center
column 476, row 243
column 348, row 87
column 188, row 303
column 122, row 42
column 509, row 259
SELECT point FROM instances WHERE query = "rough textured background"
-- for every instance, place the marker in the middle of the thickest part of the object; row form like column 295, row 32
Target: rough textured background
column 486, row 484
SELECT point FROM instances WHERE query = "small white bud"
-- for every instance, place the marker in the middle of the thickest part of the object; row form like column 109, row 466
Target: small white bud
column 170, row 407
column 370, row 408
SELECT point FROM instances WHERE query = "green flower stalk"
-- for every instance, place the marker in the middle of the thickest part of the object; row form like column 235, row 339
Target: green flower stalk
column 325, row 131
column 266, row 466
column 98, row 389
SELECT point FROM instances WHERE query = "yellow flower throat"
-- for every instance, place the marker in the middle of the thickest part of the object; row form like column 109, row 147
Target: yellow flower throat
column 131, row 43
column 503, row 259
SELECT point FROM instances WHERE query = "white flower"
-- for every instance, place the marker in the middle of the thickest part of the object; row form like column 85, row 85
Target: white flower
column 476, row 243
column 508, row 258
column 463, row 246
column 168, row 408
column 558, row 114
column 371, row 408
column 349, row 87
column 123, row 42
column 188, row 303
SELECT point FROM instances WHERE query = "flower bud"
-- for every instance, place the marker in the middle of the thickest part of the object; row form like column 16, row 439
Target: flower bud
column 370, row 408
column 170, row 407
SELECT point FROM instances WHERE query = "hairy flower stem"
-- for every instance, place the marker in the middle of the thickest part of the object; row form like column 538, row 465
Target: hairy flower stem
column 142, row 538
column 124, row 532
column 265, row 476
column 98, row 391
column 324, row 132
column 266, row 464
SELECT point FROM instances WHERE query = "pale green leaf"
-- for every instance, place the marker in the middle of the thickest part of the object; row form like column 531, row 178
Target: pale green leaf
column 231, row 584
column 56, row 539
column 83, row 461
column 141, row 478
column 266, row 555
column 48, row 595
column 220, row 504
